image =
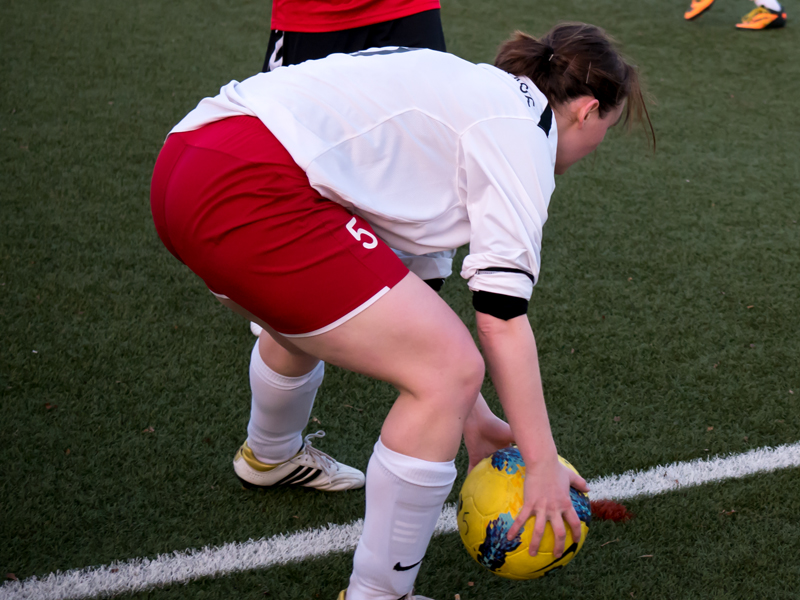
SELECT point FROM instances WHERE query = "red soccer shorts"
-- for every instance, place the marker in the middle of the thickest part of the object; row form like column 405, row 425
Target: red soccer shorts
column 229, row 201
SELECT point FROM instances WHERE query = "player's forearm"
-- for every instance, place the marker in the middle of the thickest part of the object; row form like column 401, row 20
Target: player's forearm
column 510, row 352
column 482, row 421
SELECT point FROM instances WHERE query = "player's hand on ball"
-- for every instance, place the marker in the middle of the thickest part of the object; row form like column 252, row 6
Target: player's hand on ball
column 546, row 497
column 494, row 494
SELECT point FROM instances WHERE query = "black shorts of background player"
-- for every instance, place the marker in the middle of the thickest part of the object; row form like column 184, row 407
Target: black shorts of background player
column 421, row 30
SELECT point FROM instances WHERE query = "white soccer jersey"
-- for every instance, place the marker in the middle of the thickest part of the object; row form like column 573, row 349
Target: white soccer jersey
column 433, row 151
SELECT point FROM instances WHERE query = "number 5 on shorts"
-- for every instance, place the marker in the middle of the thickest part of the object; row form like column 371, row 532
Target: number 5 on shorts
column 357, row 233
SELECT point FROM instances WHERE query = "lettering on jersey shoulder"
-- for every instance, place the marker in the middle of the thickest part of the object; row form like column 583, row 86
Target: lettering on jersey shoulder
column 526, row 91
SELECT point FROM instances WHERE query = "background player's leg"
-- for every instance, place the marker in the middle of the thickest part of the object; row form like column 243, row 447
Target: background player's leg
column 768, row 14
column 770, row 4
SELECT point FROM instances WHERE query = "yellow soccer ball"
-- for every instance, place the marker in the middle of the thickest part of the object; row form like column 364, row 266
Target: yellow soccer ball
column 490, row 500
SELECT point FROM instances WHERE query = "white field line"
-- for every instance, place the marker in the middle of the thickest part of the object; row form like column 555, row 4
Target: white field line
column 180, row 567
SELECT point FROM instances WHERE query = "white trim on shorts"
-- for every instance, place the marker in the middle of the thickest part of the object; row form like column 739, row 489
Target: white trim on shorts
column 337, row 322
column 344, row 319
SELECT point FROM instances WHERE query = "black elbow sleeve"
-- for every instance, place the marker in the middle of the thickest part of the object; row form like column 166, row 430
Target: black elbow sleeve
column 499, row 305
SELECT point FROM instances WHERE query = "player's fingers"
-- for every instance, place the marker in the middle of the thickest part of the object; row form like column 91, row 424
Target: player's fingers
column 517, row 524
column 578, row 482
column 574, row 522
column 559, row 535
column 538, row 532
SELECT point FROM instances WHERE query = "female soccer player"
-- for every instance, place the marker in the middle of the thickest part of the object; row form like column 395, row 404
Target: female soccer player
column 284, row 194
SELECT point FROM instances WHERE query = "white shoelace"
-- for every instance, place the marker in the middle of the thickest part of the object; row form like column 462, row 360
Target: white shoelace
column 327, row 463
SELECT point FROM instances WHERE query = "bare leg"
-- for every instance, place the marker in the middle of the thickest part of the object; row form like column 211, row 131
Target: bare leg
column 276, row 351
column 413, row 340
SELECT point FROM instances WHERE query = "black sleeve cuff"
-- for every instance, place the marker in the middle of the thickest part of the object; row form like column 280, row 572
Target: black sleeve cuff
column 499, row 305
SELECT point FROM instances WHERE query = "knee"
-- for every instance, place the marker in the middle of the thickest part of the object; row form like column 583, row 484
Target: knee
column 460, row 376
column 474, row 370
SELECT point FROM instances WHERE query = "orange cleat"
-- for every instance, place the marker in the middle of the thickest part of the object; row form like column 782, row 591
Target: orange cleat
column 697, row 8
column 762, row 18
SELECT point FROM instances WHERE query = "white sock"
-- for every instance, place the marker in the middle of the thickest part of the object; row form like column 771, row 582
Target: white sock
column 770, row 4
column 279, row 410
column 404, row 499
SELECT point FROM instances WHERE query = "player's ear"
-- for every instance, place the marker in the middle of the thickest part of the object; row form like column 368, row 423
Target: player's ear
column 587, row 106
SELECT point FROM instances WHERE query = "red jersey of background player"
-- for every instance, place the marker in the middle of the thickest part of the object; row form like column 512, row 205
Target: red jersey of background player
column 334, row 15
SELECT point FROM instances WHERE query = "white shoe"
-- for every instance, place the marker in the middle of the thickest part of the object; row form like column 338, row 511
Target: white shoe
column 409, row 596
column 255, row 328
column 309, row 468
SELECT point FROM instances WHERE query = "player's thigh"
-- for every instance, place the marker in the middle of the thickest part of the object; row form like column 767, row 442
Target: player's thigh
column 265, row 327
column 410, row 338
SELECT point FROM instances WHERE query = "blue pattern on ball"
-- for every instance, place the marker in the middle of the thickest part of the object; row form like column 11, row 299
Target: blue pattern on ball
column 508, row 460
column 492, row 551
column 580, row 502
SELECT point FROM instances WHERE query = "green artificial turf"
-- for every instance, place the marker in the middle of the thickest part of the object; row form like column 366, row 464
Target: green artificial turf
column 666, row 315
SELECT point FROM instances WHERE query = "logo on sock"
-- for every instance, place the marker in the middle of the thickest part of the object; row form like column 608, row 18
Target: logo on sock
column 399, row 567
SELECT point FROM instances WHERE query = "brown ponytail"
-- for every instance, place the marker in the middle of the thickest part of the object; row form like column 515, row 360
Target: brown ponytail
column 573, row 60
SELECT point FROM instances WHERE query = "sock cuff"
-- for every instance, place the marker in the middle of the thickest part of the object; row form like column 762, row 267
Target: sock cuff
column 770, row 4
column 415, row 470
column 260, row 369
